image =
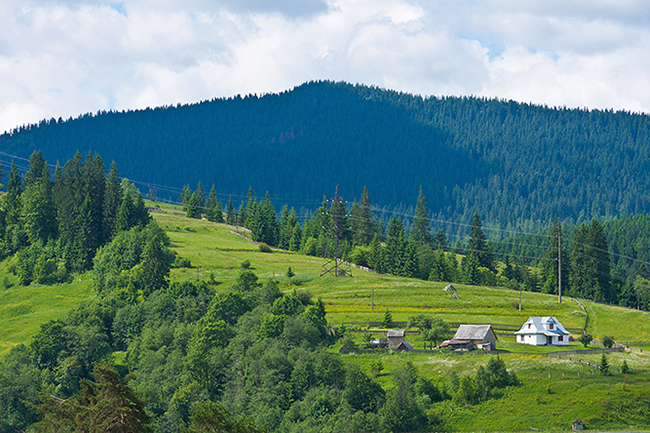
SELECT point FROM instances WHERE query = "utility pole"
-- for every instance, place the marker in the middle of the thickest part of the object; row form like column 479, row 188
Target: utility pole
column 331, row 265
column 559, row 261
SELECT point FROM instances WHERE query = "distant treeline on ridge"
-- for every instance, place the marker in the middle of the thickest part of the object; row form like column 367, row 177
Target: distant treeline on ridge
column 518, row 165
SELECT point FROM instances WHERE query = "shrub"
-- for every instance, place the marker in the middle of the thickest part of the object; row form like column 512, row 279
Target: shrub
column 311, row 247
column 245, row 264
column 585, row 339
column 182, row 262
column 608, row 341
column 265, row 248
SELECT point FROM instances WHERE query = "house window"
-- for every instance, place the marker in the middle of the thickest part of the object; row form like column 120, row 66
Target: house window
column 522, row 338
column 560, row 338
column 529, row 326
column 550, row 326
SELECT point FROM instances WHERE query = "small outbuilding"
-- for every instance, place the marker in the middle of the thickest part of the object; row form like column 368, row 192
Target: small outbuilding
column 473, row 337
column 577, row 424
column 395, row 338
column 543, row 331
column 405, row 347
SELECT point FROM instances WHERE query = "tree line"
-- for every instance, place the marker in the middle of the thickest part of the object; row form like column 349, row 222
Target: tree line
column 52, row 226
column 588, row 269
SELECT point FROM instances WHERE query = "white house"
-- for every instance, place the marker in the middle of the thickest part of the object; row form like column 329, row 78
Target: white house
column 543, row 331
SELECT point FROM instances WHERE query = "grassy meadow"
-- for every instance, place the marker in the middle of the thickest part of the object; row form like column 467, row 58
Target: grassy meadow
column 24, row 309
column 554, row 390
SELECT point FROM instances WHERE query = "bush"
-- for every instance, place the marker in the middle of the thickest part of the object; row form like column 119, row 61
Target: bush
column 246, row 264
column 311, row 247
column 608, row 341
column 182, row 262
column 585, row 339
column 265, row 248
column 359, row 256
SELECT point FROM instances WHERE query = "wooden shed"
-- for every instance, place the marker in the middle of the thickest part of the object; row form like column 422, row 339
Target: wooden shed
column 395, row 338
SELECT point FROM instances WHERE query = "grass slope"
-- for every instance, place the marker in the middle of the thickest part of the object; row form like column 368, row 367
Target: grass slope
column 24, row 309
column 554, row 392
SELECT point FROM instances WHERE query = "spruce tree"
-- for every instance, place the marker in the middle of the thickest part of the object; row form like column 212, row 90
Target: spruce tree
column 37, row 167
column 590, row 265
column 193, row 207
column 549, row 263
column 246, row 213
column 296, row 238
column 363, row 223
column 112, row 202
column 210, row 204
column 440, row 240
column 126, row 214
column 394, row 245
column 478, row 245
column 186, row 193
column 231, row 216
column 14, row 191
column 155, row 266
column 420, row 230
column 38, row 211
column 200, row 196
column 374, row 258
column 94, row 180
column 470, row 265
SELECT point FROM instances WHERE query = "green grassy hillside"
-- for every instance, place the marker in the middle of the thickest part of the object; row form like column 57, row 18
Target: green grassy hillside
column 24, row 309
column 554, row 391
column 219, row 249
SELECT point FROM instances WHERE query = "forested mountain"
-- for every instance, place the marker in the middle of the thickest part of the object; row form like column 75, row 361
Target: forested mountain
column 518, row 165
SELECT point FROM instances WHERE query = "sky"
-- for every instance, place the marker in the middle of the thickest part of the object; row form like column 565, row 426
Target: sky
column 62, row 58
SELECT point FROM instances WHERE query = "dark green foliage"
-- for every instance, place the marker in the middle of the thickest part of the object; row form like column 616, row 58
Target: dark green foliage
column 47, row 344
column 231, row 216
column 420, row 230
column 112, row 201
column 184, row 198
column 20, row 383
column 193, row 207
column 108, row 405
column 549, row 263
column 576, row 163
column 590, row 265
column 603, row 367
column 361, row 392
column 608, row 341
column 477, row 245
column 213, row 210
column 625, row 369
column 209, row 417
column 585, row 339
column 290, row 274
column 387, row 322
column 402, row 413
column 362, row 221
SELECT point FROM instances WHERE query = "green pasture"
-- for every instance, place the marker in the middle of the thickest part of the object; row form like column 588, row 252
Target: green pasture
column 24, row 309
column 217, row 251
column 553, row 392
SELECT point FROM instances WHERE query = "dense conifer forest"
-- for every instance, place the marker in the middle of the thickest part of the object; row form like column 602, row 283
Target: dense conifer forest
column 517, row 165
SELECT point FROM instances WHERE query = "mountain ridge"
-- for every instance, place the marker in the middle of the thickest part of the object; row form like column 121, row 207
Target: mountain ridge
column 517, row 164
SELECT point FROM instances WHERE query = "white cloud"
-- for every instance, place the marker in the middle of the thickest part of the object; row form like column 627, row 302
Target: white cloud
column 66, row 57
